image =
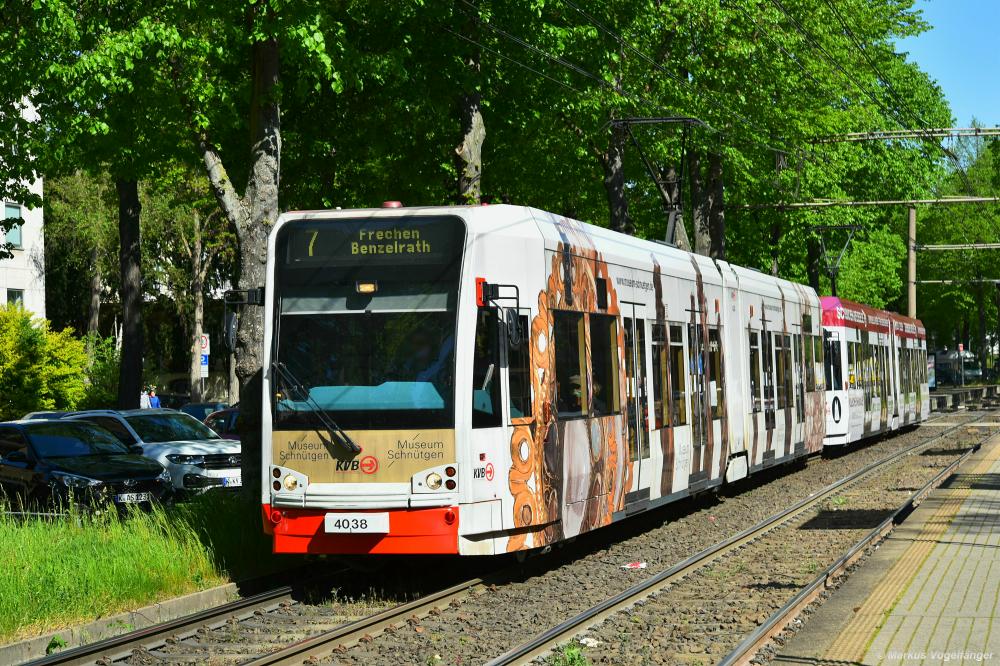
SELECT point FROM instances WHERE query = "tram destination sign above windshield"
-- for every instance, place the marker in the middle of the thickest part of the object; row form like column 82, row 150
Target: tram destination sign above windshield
column 374, row 241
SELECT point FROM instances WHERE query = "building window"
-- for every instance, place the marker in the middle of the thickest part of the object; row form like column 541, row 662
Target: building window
column 15, row 297
column 13, row 236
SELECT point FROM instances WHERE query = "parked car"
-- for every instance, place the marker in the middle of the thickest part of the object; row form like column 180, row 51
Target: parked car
column 201, row 410
column 43, row 461
column 48, row 416
column 224, row 422
column 196, row 457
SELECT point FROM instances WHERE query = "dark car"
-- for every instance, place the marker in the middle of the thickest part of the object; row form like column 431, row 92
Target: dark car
column 224, row 422
column 54, row 461
column 201, row 410
column 45, row 416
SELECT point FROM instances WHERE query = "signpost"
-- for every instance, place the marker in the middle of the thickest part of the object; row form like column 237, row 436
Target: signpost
column 206, row 349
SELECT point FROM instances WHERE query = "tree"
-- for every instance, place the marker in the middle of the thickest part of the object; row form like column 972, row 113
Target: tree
column 194, row 251
column 39, row 369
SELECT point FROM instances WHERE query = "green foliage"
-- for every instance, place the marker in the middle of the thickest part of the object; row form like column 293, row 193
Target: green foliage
column 102, row 374
column 39, row 369
column 870, row 271
column 569, row 655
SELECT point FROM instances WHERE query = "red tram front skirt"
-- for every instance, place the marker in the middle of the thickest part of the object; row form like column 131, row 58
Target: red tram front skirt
column 411, row 532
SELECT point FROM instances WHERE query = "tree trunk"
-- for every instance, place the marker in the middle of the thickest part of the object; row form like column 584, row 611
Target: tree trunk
column 96, row 286
column 670, row 188
column 716, row 208
column 702, row 236
column 130, row 370
column 469, row 152
column 614, row 182
column 252, row 215
column 813, row 258
column 775, row 240
column 197, row 292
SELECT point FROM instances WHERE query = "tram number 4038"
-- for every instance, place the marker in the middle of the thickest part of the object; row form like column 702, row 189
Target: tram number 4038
column 356, row 523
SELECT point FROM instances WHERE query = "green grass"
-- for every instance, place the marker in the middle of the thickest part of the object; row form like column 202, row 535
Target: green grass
column 569, row 655
column 63, row 571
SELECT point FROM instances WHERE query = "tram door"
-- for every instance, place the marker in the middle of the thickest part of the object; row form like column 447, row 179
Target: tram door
column 636, row 405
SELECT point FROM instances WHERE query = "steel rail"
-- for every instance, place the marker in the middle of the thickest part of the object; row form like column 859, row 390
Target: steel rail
column 776, row 623
column 310, row 650
column 155, row 636
column 544, row 642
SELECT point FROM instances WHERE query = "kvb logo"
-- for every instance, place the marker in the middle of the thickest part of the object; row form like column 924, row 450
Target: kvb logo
column 369, row 464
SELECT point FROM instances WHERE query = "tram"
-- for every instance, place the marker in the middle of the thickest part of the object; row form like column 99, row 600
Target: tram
column 876, row 371
column 484, row 380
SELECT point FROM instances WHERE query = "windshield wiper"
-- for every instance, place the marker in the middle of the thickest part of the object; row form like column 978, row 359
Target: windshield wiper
column 295, row 387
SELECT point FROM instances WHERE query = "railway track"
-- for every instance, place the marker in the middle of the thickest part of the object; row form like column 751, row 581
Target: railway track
column 273, row 628
column 545, row 642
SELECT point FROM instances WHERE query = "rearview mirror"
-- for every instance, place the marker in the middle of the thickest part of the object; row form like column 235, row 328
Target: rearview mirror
column 16, row 457
column 229, row 325
column 136, row 449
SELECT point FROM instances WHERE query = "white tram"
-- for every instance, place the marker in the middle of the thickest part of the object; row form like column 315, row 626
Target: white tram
column 482, row 380
column 876, row 370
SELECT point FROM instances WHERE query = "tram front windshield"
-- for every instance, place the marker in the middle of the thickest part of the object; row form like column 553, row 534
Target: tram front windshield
column 365, row 317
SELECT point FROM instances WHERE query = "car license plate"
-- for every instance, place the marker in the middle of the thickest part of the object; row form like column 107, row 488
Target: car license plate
column 356, row 523
column 232, row 482
column 131, row 498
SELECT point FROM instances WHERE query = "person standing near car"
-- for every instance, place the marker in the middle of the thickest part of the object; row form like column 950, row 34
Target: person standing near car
column 154, row 400
column 144, row 399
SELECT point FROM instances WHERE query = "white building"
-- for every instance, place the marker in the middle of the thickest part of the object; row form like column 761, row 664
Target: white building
column 22, row 277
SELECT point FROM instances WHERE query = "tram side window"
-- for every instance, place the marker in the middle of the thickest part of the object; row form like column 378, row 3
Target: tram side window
column 779, row 370
column 818, row 362
column 810, row 363
column 604, row 361
column 851, row 377
column 834, row 378
column 755, row 370
column 569, row 340
column 519, row 366
column 787, row 341
column 718, row 381
column 660, row 365
column 486, row 371
column 678, row 399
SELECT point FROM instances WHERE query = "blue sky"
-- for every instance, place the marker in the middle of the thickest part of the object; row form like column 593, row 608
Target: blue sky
column 962, row 53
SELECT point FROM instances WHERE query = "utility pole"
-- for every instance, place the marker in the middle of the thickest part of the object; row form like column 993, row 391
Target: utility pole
column 911, row 262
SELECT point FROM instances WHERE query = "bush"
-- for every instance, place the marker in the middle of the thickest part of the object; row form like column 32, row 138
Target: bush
column 102, row 377
column 39, row 369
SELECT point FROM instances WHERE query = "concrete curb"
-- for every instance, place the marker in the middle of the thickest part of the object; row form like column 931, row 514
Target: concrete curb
column 115, row 625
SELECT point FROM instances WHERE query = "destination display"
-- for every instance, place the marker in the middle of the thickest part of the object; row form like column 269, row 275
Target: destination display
column 374, row 241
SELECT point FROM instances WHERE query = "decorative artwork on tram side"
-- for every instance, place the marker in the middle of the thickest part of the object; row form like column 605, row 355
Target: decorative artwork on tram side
column 570, row 465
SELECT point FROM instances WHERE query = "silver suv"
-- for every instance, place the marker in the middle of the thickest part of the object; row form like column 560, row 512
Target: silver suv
column 195, row 456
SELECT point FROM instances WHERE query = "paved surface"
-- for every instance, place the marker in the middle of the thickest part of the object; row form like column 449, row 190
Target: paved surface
column 930, row 594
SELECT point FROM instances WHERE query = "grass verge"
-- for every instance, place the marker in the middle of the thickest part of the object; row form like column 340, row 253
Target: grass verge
column 62, row 571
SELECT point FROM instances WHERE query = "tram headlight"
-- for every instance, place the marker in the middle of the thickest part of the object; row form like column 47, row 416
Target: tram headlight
column 433, row 481
column 291, row 483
